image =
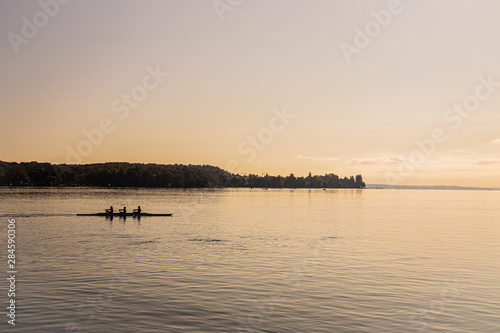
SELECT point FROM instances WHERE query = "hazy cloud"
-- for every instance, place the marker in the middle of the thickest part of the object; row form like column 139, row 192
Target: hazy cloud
column 463, row 163
column 316, row 158
column 495, row 142
column 384, row 159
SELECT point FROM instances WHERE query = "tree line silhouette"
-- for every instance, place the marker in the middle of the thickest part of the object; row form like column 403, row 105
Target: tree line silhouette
column 123, row 174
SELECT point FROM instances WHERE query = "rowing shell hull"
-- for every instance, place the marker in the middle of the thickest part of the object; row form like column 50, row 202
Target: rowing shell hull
column 121, row 214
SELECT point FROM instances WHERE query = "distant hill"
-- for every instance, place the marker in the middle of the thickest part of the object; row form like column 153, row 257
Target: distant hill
column 122, row 174
column 429, row 187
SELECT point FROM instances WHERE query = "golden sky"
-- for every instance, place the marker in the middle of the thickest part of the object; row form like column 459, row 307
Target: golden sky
column 403, row 92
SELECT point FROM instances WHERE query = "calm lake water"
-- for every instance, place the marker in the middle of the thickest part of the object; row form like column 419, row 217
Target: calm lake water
column 241, row 260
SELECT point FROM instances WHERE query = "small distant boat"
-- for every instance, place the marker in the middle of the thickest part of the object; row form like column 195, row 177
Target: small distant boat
column 122, row 214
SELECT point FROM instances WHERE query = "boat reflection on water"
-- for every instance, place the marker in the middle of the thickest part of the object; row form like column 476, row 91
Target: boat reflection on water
column 123, row 217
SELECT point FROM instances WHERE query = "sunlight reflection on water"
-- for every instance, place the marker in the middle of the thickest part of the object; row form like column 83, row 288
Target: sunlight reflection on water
column 241, row 260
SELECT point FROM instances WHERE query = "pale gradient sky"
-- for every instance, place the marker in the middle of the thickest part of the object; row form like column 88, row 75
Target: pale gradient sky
column 226, row 78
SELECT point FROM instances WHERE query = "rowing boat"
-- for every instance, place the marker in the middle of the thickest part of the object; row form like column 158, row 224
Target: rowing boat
column 122, row 214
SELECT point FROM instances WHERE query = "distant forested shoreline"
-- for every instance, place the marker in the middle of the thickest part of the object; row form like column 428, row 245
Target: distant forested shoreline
column 122, row 174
